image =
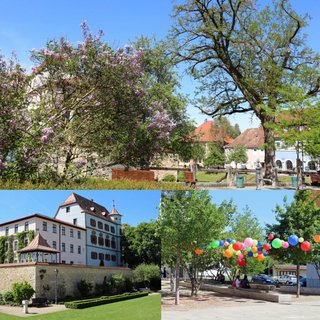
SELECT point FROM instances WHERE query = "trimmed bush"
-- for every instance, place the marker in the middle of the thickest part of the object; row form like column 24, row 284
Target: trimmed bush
column 169, row 178
column 81, row 304
column 22, row 291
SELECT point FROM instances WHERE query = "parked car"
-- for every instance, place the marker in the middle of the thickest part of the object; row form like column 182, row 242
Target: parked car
column 262, row 278
column 287, row 279
column 303, row 282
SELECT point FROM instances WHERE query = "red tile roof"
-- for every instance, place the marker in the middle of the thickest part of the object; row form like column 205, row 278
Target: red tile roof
column 114, row 211
column 210, row 132
column 38, row 244
column 252, row 138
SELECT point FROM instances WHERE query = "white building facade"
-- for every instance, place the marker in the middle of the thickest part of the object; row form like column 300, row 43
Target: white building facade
column 84, row 233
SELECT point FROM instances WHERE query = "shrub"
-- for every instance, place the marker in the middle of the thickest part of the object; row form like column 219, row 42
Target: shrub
column 145, row 273
column 85, row 287
column 169, row 178
column 22, row 291
column 117, row 284
column 8, row 297
column 81, row 304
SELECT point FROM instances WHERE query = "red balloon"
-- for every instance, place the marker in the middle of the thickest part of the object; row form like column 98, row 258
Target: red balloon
column 237, row 246
column 241, row 263
column 266, row 246
column 270, row 236
column 305, row 246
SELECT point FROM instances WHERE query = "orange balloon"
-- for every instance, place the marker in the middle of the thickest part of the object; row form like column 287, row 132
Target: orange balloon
column 228, row 253
column 198, row 251
column 316, row 238
column 254, row 249
column 261, row 257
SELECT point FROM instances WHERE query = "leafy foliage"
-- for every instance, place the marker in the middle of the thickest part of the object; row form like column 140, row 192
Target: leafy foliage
column 215, row 156
column 238, row 155
column 22, row 291
column 145, row 273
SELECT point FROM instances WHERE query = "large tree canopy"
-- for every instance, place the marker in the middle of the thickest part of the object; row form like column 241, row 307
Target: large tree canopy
column 246, row 57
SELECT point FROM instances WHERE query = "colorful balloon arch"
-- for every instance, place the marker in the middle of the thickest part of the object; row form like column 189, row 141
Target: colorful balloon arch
column 254, row 248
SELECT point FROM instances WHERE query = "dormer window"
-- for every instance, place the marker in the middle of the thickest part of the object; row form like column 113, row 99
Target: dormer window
column 93, row 209
column 67, row 209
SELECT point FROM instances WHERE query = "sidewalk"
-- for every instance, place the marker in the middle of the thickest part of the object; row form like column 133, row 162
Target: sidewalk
column 18, row 311
column 210, row 306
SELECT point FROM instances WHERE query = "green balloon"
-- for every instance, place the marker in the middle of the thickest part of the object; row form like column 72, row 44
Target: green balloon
column 276, row 243
column 215, row 244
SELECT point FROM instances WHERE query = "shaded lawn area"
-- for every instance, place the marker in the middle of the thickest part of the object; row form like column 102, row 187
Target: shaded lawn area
column 145, row 308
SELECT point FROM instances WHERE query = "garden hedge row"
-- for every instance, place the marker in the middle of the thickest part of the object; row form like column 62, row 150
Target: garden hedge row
column 81, row 304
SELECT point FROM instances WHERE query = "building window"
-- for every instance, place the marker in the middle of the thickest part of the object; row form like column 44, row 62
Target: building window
column 93, row 238
column 75, row 221
column 54, row 228
column 63, row 247
column 63, row 261
column 71, row 262
column 7, row 231
column 108, row 257
column 67, row 209
column 101, row 256
column 26, row 226
column 113, row 258
column 54, row 244
column 93, row 223
column 112, row 230
column 101, row 241
column 71, row 248
column 16, row 227
column 94, row 255
column 106, row 227
column 79, row 249
column 107, row 242
column 63, row 231
column 79, row 234
column 100, row 225
column 113, row 243
column 71, row 233
column 15, row 245
column 44, row 226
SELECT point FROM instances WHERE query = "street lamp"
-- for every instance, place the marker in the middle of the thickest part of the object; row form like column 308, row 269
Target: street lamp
column 56, row 286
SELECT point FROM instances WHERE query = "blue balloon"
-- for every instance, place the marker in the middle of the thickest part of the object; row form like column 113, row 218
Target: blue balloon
column 265, row 254
column 260, row 244
column 221, row 243
column 229, row 240
column 250, row 254
column 293, row 240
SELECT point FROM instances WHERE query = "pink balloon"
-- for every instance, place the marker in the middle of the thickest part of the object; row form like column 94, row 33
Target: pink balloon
column 240, row 256
column 226, row 244
column 248, row 242
column 285, row 244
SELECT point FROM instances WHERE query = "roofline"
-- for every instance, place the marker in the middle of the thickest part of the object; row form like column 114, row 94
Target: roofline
column 37, row 215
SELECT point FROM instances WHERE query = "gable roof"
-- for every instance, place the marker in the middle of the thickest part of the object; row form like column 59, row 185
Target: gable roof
column 209, row 131
column 252, row 138
column 88, row 206
column 38, row 244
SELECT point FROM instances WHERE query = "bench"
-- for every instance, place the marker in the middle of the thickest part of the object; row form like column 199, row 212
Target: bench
column 188, row 178
column 264, row 287
column 39, row 302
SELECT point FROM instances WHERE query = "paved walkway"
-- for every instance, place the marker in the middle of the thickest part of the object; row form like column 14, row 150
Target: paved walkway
column 211, row 306
column 18, row 311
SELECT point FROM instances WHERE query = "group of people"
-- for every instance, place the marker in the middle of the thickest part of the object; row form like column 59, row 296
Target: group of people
column 244, row 283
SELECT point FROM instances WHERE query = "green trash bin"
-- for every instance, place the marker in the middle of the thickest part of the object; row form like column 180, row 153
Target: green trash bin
column 294, row 182
column 240, row 182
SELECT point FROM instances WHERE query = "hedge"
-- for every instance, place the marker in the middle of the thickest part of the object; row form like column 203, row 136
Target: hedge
column 81, row 304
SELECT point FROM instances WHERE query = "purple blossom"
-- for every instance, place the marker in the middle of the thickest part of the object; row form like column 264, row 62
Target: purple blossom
column 44, row 139
column 47, row 131
column 161, row 124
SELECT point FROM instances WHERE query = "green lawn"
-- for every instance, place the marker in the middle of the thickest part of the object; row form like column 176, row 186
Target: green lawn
column 145, row 308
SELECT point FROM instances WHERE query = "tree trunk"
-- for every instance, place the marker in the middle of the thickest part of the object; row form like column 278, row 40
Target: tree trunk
column 177, row 292
column 269, row 155
column 298, row 280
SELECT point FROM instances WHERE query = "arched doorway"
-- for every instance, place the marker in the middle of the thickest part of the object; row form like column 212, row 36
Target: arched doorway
column 289, row 165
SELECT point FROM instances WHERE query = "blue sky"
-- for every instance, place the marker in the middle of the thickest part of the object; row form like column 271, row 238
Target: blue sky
column 136, row 206
column 29, row 24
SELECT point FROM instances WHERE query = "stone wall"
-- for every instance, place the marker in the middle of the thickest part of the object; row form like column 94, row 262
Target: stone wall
column 44, row 278
column 19, row 272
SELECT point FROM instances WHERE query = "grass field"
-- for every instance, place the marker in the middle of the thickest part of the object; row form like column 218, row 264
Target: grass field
column 145, row 308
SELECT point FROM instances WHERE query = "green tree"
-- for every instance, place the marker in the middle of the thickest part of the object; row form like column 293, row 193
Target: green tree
column 141, row 244
column 215, row 157
column 145, row 273
column 246, row 58
column 301, row 218
column 187, row 221
column 227, row 127
column 238, row 155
